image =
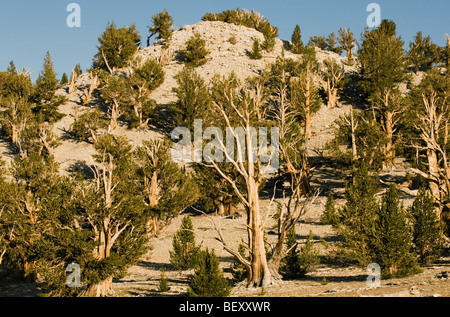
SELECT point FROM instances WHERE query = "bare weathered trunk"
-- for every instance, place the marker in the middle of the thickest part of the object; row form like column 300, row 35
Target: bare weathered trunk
column 260, row 273
column 332, row 98
column 433, row 171
column 354, row 127
column 308, row 133
column 390, row 136
column 221, row 209
column 15, row 134
column 153, row 201
column 101, row 289
column 115, row 114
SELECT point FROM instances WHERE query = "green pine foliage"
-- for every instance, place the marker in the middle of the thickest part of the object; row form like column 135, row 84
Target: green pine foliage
column 256, row 50
column 357, row 217
column 87, row 125
column 330, row 215
column 249, row 19
column 196, row 53
column 319, row 41
column 290, row 268
column 297, row 43
column 116, row 47
column 186, row 254
column 427, row 228
column 64, row 80
column 193, row 99
column 162, row 24
column 144, row 80
column 422, row 54
column 238, row 270
column 332, row 46
column 168, row 190
column 44, row 93
column 382, row 60
column 208, row 280
column 16, row 94
column 370, row 139
column 393, row 248
column 309, row 255
column 163, row 285
column 298, row 262
column 376, row 232
column 348, row 43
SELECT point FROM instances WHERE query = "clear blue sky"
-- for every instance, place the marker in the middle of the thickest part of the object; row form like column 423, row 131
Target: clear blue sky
column 28, row 29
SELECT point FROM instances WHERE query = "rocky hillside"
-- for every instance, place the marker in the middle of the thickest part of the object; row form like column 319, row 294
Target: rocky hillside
column 223, row 59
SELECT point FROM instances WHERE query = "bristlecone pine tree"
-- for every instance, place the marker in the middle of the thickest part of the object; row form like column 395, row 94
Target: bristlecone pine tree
column 167, row 189
column 393, row 246
column 304, row 92
column 116, row 94
column 382, row 71
column 332, row 44
column 297, row 43
column 208, row 280
column 162, row 24
column 290, row 268
column 185, row 254
column 193, row 98
column 319, row 41
column 256, row 50
column 428, row 113
column 331, row 80
column 347, row 42
column 427, row 228
column 45, row 98
column 16, row 97
column 117, row 47
column 64, row 80
column 358, row 216
column 144, row 80
column 196, row 53
column 249, row 19
column 423, row 54
column 115, row 215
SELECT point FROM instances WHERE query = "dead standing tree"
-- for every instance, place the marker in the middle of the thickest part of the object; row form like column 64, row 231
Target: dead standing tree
column 330, row 79
column 433, row 127
column 236, row 108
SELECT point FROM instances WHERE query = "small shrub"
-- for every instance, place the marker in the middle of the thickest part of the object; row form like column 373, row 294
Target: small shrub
column 324, row 281
column 208, row 280
column 238, row 270
column 163, row 283
column 330, row 215
column 308, row 256
column 427, row 229
column 185, row 251
column 297, row 263
column 291, row 265
column 232, row 40
column 86, row 126
column 256, row 50
column 392, row 242
column 196, row 52
column 248, row 19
